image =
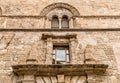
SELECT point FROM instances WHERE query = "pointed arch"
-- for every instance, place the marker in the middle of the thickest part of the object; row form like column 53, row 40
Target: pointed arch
column 50, row 7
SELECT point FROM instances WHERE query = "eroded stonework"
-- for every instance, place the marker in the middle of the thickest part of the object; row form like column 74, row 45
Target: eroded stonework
column 27, row 40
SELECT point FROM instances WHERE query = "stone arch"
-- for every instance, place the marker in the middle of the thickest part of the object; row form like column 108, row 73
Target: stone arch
column 50, row 7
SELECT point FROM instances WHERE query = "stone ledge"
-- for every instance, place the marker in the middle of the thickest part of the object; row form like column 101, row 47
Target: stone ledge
column 67, row 36
column 58, row 30
column 55, row 69
column 81, row 16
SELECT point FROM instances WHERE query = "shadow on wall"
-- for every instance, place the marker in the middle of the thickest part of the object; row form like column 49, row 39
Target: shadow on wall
column 0, row 11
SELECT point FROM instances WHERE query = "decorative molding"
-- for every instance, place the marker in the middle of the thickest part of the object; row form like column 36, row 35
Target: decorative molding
column 81, row 16
column 59, row 12
column 65, row 69
column 67, row 36
column 58, row 30
column 50, row 7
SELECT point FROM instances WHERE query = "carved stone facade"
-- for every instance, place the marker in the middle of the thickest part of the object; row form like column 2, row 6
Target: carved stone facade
column 27, row 41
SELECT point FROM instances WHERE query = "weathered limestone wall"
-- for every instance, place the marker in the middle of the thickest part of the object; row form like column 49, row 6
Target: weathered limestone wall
column 21, row 23
column 41, row 23
column 91, row 46
column 34, row 7
column 97, row 22
column 16, row 46
column 98, row 13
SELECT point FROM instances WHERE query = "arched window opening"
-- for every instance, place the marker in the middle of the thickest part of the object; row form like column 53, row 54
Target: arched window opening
column 55, row 22
column 65, row 22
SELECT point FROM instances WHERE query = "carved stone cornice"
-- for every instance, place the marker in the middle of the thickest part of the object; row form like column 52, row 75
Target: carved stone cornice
column 67, row 36
column 55, row 69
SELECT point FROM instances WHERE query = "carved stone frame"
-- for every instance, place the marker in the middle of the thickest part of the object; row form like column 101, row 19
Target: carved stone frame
column 73, row 12
column 52, row 39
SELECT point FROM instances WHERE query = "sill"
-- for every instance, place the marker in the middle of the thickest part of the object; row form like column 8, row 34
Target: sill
column 55, row 69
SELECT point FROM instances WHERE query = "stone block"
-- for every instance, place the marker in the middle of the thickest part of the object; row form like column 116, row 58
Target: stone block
column 40, row 80
column 2, row 46
column 61, row 78
column 29, row 77
column 2, row 52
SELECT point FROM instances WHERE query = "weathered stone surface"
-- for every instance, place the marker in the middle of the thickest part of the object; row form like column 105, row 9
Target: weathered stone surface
column 2, row 23
column 3, row 52
column 101, row 49
column 31, row 7
column 25, row 42
column 39, row 80
column 60, row 78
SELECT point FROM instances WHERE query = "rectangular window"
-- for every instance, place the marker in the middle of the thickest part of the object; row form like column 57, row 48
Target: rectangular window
column 61, row 55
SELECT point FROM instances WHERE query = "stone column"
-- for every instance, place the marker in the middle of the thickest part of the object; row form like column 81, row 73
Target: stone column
column 72, row 50
column 71, row 23
column 49, row 48
column 60, row 22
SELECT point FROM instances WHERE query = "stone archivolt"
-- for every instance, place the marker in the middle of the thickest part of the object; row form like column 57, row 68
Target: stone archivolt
column 60, row 12
column 47, row 9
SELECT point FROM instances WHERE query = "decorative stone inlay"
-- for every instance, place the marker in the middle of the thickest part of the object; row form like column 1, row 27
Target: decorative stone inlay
column 56, row 69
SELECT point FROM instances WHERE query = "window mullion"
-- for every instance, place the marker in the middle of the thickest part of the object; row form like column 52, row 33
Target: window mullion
column 55, row 56
column 65, row 55
column 60, row 22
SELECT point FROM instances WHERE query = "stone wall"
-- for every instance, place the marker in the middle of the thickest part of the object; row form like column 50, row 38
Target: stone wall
column 41, row 23
column 26, row 14
column 90, row 46
column 89, row 7
column 16, row 46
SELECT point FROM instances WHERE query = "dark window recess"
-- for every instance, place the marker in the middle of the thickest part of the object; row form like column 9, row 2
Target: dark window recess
column 61, row 55
column 65, row 22
column 55, row 22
